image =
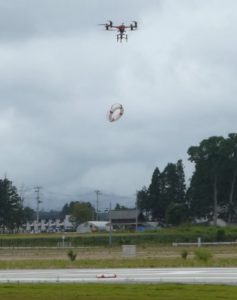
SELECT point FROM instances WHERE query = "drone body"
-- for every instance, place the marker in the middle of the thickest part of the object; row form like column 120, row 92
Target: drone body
column 121, row 29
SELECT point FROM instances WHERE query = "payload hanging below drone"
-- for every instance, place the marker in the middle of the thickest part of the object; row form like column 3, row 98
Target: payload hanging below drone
column 121, row 29
column 116, row 111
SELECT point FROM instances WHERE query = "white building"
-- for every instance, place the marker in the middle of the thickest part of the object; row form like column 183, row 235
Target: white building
column 43, row 225
column 93, row 226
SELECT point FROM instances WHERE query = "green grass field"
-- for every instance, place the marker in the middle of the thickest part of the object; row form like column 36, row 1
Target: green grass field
column 185, row 233
column 116, row 292
column 103, row 257
column 148, row 255
column 118, row 263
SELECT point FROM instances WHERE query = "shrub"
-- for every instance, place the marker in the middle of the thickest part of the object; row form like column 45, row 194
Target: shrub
column 220, row 235
column 203, row 254
column 71, row 255
column 184, row 254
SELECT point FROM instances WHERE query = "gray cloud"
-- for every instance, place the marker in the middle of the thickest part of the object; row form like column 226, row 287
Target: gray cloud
column 60, row 73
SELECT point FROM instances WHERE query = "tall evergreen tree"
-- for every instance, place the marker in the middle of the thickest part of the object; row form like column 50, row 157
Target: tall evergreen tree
column 229, row 175
column 200, row 194
column 142, row 201
column 154, row 201
column 208, row 160
column 174, row 192
column 181, row 185
column 172, row 187
column 176, row 213
column 11, row 210
column 169, row 186
column 165, row 188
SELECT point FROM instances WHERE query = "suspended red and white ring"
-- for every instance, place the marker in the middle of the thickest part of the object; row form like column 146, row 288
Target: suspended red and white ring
column 116, row 111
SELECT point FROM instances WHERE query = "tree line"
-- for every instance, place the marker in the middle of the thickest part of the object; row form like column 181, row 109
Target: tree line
column 13, row 214
column 212, row 191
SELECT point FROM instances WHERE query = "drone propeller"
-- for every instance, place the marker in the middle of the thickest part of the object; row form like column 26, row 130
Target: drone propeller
column 107, row 26
column 110, row 23
column 135, row 24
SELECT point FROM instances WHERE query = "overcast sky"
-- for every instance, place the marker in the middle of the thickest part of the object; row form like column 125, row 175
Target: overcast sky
column 60, row 72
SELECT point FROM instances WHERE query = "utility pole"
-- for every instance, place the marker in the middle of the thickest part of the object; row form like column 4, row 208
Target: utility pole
column 97, row 203
column 37, row 191
column 22, row 193
column 110, row 225
column 136, row 214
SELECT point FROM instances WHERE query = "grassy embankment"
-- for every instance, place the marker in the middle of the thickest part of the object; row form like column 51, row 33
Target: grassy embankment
column 104, row 257
column 186, row 233
column 154, row 249
column 123, row 263
column 116, row 292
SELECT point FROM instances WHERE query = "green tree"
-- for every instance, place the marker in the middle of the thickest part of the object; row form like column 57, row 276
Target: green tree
column 154, row 200
column 181, row 185
column 229, row 151
column 173, row 188
column 209, row 161
column 67, row 209
column 29, row 214
column 199, row 194
column 142, row 201
column 11, row 210
column 177, row 213
column 82, row 212
column 165, row 188
column 120, row 207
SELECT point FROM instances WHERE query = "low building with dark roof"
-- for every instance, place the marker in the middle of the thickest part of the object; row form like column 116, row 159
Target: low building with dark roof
column 126, row 219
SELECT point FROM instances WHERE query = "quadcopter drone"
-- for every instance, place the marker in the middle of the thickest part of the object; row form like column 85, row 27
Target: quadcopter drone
column 121, row 29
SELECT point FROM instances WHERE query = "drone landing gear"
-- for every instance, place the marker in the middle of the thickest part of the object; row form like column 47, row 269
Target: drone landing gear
column 121, row 37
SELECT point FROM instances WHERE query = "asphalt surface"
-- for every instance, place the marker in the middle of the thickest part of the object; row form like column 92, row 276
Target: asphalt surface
column 151, row 275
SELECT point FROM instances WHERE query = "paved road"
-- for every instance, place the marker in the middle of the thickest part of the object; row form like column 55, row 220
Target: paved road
column 154, row 275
